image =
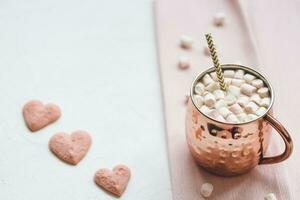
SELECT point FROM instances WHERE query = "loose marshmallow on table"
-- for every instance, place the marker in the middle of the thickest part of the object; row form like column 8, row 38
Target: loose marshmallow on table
column 206, row 189
column 270, row 196
column 247, row 89
column 263, row 92
column 186, row 42
column 219, row 19
column 184, row 62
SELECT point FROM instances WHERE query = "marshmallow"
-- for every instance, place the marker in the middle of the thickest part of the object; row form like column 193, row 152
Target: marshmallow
column 220, row 103
column 212, row 86
column 209, row 100
column 205, row 93
column 198, row 100
column 251, row 107
column 219, row 19
column 207, row 79
column 270, row 196
column 186, row 42
column 206, row 51
column 263, row 92
column 239, row 74
column 213, row 113
column 227, row 81
column 224, row 111
column 206, row 189
column 265, row 102
column 214, row 76
column 261, row 111
column 255, row 98
column 204, row 109
column 247, row 89
column 230, row 99
column 248, row 78
column 232, row 118
column 184, row 62
column 257, row 83
column 240, row 103
column 243, row 101
column 251, row 117
column 220, row 118
column 234, row 90
column 219, row 94
column 237, row 82
column 242, row 117
column 228, row 73
column 199, row 88
column 236, row 108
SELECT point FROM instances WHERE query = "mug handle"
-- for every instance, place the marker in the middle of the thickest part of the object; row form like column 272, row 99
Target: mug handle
column 286, row 138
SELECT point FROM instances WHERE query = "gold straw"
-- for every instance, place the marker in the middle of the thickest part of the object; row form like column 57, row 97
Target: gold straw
column 215, row 60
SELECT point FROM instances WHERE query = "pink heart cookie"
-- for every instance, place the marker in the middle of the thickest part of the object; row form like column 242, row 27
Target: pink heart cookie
column 114, row 181
column 37, row 115
column 70, row 148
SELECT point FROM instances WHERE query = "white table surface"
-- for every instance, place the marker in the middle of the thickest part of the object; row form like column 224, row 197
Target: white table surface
column 97, row 60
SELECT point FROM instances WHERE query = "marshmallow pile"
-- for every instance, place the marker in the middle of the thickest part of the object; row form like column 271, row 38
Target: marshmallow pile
column 246, row 97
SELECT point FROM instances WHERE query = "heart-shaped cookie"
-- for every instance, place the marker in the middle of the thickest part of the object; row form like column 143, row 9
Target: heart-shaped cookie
column 114, row 181
column 70, row 148
column 37, row 115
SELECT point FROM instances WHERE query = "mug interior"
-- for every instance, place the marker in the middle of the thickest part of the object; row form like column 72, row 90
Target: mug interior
column 234, row 67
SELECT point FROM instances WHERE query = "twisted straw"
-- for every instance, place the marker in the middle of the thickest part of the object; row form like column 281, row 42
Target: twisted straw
column 215, row 60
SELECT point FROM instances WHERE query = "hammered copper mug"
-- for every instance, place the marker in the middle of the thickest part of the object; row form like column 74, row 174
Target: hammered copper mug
column 229, row 149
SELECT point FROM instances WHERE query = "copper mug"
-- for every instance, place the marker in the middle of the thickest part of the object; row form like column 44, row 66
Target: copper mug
column 229, row 149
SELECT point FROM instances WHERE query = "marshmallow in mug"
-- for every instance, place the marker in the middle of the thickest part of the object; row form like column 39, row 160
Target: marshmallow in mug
column 247, row 97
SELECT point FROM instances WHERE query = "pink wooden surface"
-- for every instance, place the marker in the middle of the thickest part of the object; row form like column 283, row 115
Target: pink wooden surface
column 260, row 34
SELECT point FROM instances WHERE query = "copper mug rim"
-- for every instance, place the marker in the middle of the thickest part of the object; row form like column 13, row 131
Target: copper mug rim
column 234, row 66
